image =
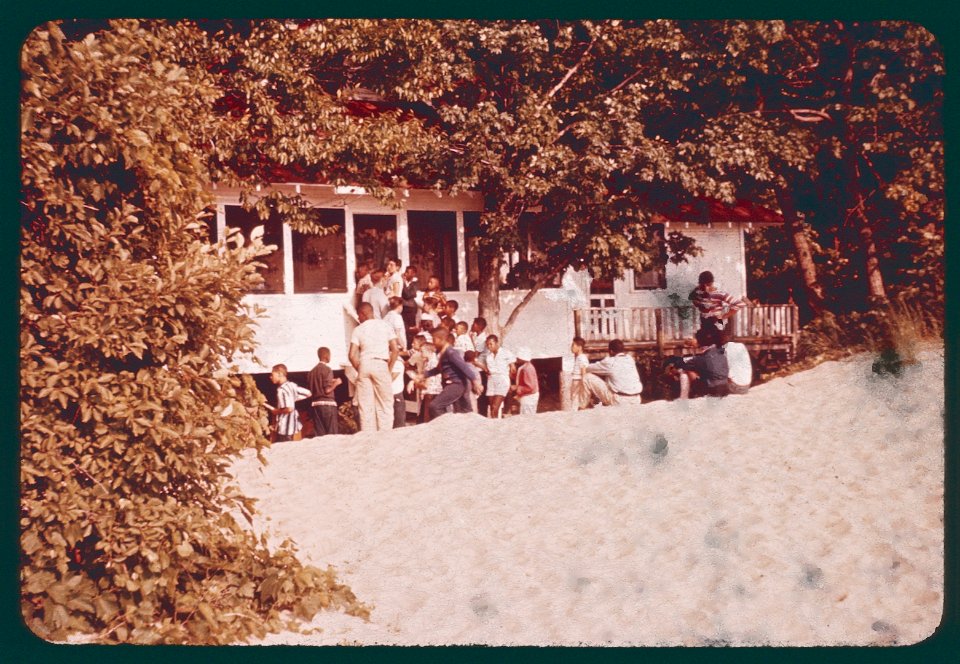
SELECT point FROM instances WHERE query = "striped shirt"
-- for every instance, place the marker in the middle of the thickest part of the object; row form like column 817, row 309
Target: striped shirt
column 711, row 304
column 288, row 423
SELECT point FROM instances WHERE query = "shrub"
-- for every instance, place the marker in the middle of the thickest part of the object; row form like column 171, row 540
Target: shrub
column 129, row 318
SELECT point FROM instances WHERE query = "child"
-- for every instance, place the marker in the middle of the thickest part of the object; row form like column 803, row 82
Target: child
column 528, row 387
column 433, row 385
column 399, row 403
column 478, row 331
column 450, row 309
column 579, row 397
column 430, row 312
column 498, row 362
column 287, row 426
column 463, row 342
column 323, row 403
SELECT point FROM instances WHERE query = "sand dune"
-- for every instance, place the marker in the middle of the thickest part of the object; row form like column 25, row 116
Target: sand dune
column 809, row 511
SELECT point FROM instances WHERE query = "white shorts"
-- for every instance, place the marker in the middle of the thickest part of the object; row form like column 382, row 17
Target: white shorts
column 498, row 385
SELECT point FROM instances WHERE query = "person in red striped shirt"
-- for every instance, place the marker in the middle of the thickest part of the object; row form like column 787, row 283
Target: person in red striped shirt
column 714, row 305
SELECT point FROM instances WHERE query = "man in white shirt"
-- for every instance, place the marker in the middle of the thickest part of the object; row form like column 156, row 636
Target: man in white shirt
column 394, row 318
column 740, row 367
column 614, row 379
column 373, row 350
column 375, row 295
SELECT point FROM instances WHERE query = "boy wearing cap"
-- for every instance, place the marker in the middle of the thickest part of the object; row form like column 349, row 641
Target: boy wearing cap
column 528, row 387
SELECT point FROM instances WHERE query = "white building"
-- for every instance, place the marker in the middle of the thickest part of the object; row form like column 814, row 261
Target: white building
column 309, row 280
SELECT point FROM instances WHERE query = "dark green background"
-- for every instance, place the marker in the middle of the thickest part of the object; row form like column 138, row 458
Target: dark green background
column 17, row 644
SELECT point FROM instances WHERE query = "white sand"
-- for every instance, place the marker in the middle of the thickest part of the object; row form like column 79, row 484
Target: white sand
column 809, row 511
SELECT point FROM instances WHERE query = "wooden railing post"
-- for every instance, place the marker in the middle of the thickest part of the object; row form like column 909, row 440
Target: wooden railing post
column 577, row 332
column 658, row 315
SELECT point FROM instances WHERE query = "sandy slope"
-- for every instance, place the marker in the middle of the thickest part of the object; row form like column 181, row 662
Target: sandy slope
column 807, row 512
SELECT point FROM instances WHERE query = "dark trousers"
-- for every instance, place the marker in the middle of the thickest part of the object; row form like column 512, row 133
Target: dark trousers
column 325, row 420
column 409, row 316
column 399, row 411
column 453, row 394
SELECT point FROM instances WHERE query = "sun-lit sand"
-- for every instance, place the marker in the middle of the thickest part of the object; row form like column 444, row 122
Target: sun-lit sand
column 809, row 511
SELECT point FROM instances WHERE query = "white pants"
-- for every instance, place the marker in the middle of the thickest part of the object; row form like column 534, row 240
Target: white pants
column 528, row 403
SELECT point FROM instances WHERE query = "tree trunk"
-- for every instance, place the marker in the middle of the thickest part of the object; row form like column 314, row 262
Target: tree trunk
column 488, row 297
column 521, row 305
column 812, row 296
column 856, row 201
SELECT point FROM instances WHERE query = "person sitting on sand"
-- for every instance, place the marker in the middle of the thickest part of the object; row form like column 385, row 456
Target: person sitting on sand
column 457, row 377
column 499, row 364
column 738, row 360
column 707, row 372
column 714, row 305
column 528, row 386
column 614, row 379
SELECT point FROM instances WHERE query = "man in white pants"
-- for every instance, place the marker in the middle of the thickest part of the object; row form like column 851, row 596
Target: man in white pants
column 373, row 350
column 614, row 379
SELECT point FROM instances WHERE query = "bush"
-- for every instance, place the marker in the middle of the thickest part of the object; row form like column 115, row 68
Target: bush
column 129, row 414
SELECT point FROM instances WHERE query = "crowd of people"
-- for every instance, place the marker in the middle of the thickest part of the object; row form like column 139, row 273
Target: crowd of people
column 410, row 345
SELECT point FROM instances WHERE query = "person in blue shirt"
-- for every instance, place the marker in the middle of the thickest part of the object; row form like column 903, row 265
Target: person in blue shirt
column 456, row 378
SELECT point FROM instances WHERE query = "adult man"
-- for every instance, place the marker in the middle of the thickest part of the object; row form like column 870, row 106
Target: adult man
column 706, row 372
column 409, row 294
column 395, row 321
column 456, row 376
column 711, row 302
column 375, row 295
column 614, row 379
column 364, row 281
column 323, row 404
column 373, row 350
column 738, row 360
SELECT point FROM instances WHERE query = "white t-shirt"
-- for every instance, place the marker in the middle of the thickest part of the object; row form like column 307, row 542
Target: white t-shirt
column 377, row 299
column 738, row 359
column 395, row 321
column 579, row 363
column 394, row 285
column 464, row 343
column 397, row 383
column 373, row 337
column 499, row 363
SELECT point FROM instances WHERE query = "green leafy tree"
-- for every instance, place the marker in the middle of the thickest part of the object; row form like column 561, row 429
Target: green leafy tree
column 129, row 319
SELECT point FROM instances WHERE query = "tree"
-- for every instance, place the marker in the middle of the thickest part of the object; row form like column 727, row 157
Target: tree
column 546, row 116
column 129, row 320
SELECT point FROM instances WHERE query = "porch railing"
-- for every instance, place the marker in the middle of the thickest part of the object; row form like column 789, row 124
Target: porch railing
column 663, row 326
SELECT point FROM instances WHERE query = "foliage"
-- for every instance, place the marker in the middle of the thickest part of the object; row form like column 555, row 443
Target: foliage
column 129, row 319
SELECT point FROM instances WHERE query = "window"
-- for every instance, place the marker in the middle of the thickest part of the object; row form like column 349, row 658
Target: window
column 471, row 235
column 375, row 238
column 433, row 246
column 656, row 276
column 246, row 221
column 320, row 261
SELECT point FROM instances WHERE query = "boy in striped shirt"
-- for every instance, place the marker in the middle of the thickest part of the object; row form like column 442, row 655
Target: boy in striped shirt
column 714, row 304
column 287, row 426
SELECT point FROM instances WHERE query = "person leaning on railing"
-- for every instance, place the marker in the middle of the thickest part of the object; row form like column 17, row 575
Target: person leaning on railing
column 714, row 305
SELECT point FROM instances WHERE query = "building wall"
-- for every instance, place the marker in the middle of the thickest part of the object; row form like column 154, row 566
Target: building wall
column 294, row 325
